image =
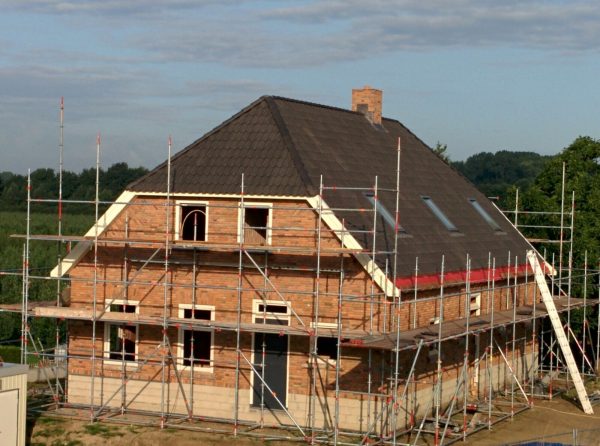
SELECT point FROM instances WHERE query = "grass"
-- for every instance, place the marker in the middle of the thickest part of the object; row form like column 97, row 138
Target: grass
column 50, row 427
column 49, row 421
column 102, row 430
column 12, row 353
column 50, row 431
column 133, row 429
column 590, row 386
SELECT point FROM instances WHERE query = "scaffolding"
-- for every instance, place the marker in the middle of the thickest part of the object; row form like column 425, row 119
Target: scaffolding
column 558, row 228
column 428, row 377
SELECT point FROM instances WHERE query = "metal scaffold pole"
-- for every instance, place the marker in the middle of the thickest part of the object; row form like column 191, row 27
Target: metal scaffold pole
column 395, row 289
column 490, row 352
column 95, row 283
column 414, row 324
column 534, row 357
column 61, row 146
column 439, row 371
column 584, row 323
column 467, row 307
column 570, row 260
column 562, row 225
column 514, row 339
column 238, row 352
column 26, row 268
column 336, row 422
column 166, row 292
column 315, row 329
column 372, row 297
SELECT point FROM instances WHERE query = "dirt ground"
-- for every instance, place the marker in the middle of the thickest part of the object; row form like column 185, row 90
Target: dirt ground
column 545, row 419
column 52, row 431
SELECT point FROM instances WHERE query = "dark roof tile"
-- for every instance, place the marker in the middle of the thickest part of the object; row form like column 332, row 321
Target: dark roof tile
column 283, row 146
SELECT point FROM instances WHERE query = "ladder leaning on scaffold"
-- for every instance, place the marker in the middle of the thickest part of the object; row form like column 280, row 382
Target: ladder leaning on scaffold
column 561, row 337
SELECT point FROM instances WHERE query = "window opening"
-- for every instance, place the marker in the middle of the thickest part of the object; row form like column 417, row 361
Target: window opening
column 122, row 308
column 121, row 338
column 327, row 347
column 281, row 309
column 487, row 217
column 193, row 223
column 439, row 214
column 122, row 342
column 197, row 344
column 256, row 221
column 188, row 313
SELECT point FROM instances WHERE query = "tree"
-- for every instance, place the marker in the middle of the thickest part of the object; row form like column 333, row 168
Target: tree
column 497, row 174
column 581, row 160
column 440, row 150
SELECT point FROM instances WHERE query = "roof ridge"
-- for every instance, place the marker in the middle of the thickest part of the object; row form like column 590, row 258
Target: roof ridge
column 193, row 144
column 290, row 145
column 325, row 106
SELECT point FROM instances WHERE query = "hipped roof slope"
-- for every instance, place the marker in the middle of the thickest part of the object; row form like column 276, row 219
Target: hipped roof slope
column 283, row 146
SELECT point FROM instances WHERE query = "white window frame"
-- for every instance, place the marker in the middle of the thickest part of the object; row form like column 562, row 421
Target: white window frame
column 279, row 316
column 255, row 205
column 180, row 331
column 107, row 325
column 266, row 315
column 178, row 205
column 476, row 305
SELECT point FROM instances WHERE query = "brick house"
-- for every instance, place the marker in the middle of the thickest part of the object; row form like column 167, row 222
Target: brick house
column 261, row 276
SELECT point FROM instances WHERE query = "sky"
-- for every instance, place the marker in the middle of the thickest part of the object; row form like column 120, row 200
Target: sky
column 477, row 75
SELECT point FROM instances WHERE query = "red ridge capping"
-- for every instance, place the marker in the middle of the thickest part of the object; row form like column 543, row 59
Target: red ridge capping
column 456, row 277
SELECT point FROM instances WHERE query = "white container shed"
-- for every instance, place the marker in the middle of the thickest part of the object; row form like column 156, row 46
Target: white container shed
column 13, row 404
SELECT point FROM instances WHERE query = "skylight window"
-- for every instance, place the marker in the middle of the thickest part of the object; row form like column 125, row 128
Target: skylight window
column 439, row 214
column 487, row 217
column 383, row 212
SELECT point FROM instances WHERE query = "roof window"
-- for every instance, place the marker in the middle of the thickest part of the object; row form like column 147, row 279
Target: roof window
column 439, row 214
column 487, row 217
column 383, row 212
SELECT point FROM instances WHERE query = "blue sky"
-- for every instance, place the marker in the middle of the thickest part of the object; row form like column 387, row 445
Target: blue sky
column 478, row 75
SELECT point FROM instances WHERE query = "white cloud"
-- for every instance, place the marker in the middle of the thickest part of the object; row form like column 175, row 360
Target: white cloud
column 143, row 69
column 322, row 32
column 109, row 7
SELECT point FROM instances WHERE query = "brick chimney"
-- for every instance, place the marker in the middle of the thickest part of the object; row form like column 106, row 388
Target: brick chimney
column 368, row 101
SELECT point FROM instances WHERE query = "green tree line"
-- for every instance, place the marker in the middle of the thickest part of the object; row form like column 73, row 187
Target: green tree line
column 76, row 220
column 75, row 186
column 497, row 174
column 539, row 180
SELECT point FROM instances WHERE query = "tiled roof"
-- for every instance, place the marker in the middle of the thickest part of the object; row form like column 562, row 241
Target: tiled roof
column 283, row 146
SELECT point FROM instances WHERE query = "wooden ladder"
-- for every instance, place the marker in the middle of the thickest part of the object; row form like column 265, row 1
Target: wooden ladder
column 561, row 337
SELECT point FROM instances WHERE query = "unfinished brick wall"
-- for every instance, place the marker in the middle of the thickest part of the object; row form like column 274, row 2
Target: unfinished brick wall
column 123, row 274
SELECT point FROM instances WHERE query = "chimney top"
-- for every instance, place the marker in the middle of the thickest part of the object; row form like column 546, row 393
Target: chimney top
column 368, row 101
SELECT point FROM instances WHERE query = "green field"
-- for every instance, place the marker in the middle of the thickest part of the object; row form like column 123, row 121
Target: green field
column 43, row 257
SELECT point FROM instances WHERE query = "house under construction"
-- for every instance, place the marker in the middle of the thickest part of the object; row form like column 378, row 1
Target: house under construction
column 310, row 268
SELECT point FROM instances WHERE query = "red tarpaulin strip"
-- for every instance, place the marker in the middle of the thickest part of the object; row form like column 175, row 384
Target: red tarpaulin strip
column 477, row 276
